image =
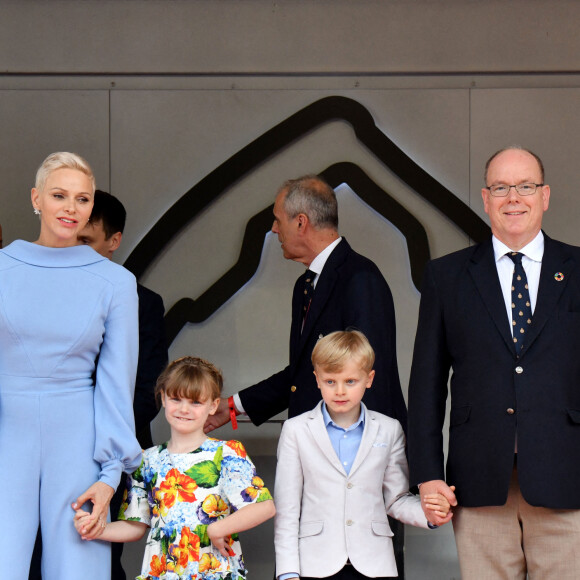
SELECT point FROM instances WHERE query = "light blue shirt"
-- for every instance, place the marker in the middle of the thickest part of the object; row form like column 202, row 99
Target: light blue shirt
column 345, row 441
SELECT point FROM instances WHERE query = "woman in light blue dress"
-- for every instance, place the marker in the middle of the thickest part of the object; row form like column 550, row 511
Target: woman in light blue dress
column 68, row 356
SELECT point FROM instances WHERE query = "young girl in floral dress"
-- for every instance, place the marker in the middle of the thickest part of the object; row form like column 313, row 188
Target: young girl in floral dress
column 194, row 493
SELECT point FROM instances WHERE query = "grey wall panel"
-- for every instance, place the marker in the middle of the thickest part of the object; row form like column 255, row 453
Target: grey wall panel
column 258, row 36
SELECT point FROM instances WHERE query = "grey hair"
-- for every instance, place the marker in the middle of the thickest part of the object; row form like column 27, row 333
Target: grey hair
column 62, row 160
column 312, row 196
column 513, row 148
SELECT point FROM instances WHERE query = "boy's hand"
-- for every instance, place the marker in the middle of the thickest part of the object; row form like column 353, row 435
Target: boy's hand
column 438, row 503
column 437, row 487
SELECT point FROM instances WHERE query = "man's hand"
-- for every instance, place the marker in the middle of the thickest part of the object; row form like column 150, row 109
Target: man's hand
column 433, row 487
column 219, row 418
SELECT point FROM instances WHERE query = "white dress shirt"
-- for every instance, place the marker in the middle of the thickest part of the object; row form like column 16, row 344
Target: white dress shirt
column 532, row 263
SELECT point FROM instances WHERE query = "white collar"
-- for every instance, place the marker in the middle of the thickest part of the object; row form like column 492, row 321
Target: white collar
column 317, row 264
column 534, row 250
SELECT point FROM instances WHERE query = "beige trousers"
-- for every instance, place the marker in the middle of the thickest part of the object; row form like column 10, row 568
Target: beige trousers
column 507, row 542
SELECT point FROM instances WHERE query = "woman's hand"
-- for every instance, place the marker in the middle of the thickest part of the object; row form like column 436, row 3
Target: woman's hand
column 99, row 494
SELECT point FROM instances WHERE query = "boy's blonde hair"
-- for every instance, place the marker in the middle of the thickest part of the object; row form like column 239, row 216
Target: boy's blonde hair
column 190, row 377
column 333, row 351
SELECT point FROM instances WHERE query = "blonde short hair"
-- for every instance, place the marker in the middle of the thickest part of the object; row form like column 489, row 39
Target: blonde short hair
column 62, row 160
column 333, row 351
column 190, row 377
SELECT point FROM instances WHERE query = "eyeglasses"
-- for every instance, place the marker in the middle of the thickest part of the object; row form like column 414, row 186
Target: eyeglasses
column 502, row 189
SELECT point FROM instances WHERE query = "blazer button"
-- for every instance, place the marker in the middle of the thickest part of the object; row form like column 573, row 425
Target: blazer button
column 293, row 388
column 519, row 370
column 349, row 485
column 510, row 411
column 349, row 522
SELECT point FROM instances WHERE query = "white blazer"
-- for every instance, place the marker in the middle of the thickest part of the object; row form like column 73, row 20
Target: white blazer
column 323, row 515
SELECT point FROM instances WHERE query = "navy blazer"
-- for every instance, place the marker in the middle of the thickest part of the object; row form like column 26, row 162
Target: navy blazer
column 152, row 360
column 350, row 293
column 495, row 393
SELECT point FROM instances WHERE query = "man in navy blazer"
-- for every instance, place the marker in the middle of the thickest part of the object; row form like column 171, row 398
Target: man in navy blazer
column 514, row 440
column 349, row 291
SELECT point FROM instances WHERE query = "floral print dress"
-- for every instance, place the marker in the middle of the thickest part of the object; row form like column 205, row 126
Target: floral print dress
column 178, row 495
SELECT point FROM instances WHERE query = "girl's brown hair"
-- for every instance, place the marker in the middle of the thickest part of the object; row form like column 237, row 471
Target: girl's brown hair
column 190, row 377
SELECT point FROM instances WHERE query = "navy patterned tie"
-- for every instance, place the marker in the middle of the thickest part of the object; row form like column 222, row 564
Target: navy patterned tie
column 521, row 306
column 308, row 292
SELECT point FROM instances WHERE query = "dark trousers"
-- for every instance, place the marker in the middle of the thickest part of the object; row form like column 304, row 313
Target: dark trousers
column 117, row 572
column 349, row 572
column 398, row 545
column 34, row 573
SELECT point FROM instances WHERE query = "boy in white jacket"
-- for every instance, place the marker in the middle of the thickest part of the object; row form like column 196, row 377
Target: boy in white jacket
column 341, row 470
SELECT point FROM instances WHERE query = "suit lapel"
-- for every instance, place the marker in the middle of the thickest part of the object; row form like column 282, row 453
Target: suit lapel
column 554, row 262
column 483, row 270
column 370, row 433
column 324, row 287
column 322, row 440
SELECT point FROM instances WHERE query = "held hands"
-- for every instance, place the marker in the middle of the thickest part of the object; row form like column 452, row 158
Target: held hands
column 219, row 418
column 93, row 524
column 222, row 543
column 436, row 500
column 82, row 520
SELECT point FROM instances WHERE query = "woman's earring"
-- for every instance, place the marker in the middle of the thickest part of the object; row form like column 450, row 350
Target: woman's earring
column 36, row 211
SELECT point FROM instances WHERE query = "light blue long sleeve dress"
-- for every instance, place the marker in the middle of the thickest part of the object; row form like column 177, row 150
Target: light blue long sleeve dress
column 60, row 309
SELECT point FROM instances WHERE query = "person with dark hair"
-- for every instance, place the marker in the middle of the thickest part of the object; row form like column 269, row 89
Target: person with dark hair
column 340, row 290
column 504, row 317
column 104, row 233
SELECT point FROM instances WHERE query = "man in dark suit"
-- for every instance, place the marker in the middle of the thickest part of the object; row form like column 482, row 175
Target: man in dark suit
column 104, row 233
column 343, row 290
column 346, row 290
column 504, row 317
